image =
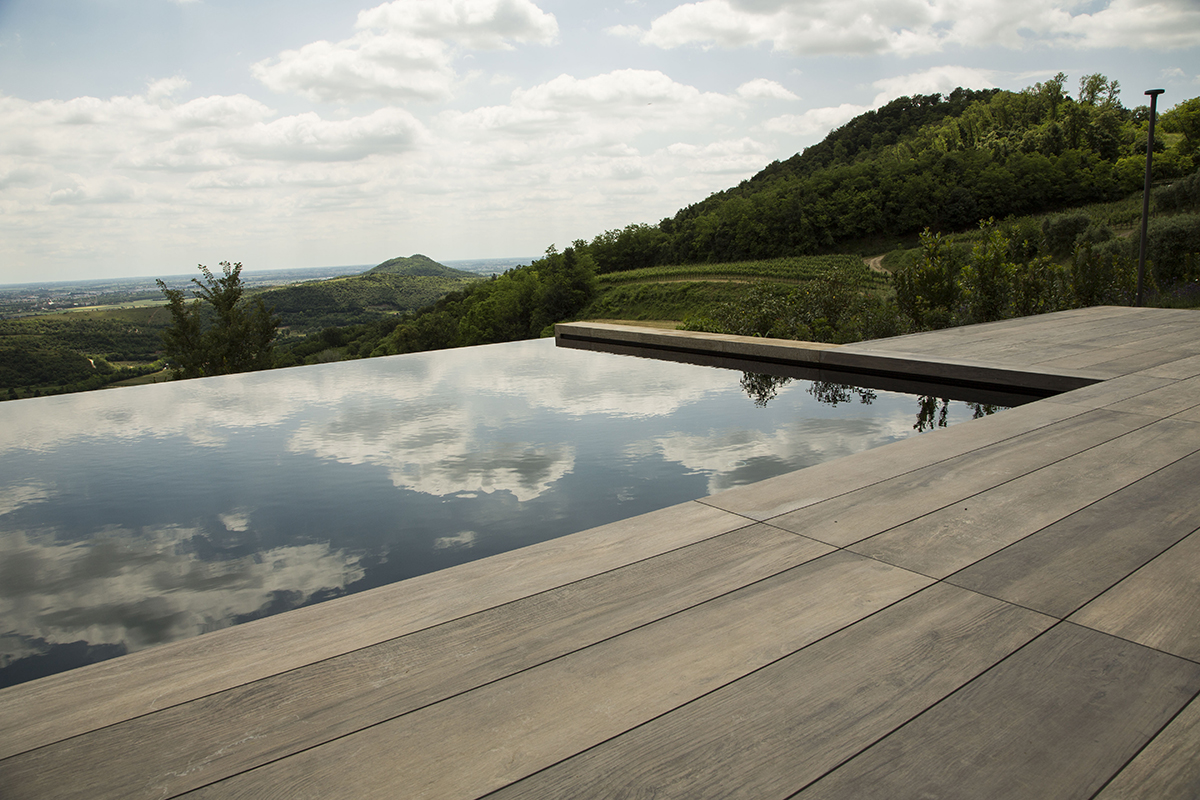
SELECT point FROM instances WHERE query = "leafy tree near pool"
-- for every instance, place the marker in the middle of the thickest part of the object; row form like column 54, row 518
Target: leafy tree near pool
column 219, row 332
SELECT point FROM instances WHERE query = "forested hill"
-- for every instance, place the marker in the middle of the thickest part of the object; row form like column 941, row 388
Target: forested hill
column 418, row 265
column 396, row 286
column 869, row 132
column 925, row 161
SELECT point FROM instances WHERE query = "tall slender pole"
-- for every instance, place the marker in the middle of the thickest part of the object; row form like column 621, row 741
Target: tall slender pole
column 1153, row 93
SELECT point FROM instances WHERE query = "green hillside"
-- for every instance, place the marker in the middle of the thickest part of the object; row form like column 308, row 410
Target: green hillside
column 356, row 299
column 55, row 353
column 417, row 265
column 929, row 161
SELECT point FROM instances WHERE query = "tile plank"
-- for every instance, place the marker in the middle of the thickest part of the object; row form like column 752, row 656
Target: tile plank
column 1168, row 768
column 1064, row 566
column 1111, row 391
column 1053, row 721
column 1171, row 399
column 1179, row 369
column 1158, row 606
column 482, row 740
column 954, row 537
column 787, row 724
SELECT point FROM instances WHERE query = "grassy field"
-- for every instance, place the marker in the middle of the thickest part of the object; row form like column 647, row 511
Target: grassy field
column 795, row 269
column 676, row 293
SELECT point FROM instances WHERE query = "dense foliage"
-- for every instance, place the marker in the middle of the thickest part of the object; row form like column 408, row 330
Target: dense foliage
column 842, row 304
column 356, row 299
column 1006, row 270
column 72, row 352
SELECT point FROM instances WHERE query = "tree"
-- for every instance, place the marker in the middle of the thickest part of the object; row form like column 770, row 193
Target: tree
column 1185, row 118
column 219, row 332
column 1098, row 90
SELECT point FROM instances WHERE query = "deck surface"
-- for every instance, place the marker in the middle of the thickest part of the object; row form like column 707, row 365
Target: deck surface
column 1006, row 608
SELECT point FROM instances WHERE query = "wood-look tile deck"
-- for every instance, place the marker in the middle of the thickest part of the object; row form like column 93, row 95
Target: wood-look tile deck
column 1006, row 608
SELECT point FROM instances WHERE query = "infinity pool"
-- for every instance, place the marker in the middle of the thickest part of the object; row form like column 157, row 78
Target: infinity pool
column 143, row 515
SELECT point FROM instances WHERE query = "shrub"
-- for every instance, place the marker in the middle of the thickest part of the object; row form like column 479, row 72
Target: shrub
column 1060, row 232
column 986, row 282
column 1182, row 195
column 1171, row 245
column 1104, row 276
column 927, row 283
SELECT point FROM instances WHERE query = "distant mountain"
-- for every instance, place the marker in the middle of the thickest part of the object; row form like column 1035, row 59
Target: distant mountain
column 393, row 287
column 417, row 265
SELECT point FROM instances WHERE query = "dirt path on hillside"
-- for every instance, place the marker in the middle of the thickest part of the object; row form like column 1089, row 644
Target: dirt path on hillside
column 876, row 264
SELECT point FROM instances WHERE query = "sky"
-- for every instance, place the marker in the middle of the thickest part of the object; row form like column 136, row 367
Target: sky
column 143, row 137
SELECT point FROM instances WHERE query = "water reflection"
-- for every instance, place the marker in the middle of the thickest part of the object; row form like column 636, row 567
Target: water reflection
column 436, row 451
column 145, row 515
column 932, row 410
column 139, row 588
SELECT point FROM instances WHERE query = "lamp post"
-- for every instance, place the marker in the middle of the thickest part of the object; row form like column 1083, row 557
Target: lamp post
column 1153, row 93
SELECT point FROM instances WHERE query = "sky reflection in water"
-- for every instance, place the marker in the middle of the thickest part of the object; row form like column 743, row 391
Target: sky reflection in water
column 145, row 515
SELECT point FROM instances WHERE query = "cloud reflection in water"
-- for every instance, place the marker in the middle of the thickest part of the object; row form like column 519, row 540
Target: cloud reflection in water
column 149, row 514
column 147, row 587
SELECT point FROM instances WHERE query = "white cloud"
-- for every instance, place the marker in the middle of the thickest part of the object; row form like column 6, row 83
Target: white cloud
column 763, row 89
column 815, row 120
column 477, row 24
column 913, row 27
column 96, row 190
column 1158, row 24
column 555, row 155
column 937, row 80
column 18, row 496
column 308, row 137
column 166, row 87
column 389, row 67
column 726, row 157
column 135, row 165
column 437, row 451
column 628, row 93
column 460, row 541
column 404, row 50
column 568, row 118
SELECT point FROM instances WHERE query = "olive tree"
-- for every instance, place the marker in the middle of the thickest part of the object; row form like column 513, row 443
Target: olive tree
column 219, row 332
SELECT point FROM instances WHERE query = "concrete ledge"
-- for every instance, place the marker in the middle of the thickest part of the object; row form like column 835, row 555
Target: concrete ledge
column 782, row 351
column 853, row 358
column 953, row 370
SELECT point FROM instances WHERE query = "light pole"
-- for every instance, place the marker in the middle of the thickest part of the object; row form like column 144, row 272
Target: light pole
column 1153, row 93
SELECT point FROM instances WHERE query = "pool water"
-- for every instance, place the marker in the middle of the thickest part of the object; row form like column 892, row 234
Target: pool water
column 143, row 515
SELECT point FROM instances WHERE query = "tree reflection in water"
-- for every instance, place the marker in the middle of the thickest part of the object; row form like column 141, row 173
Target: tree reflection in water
column 762, row 389
column 833, row 393
column 932, row 412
